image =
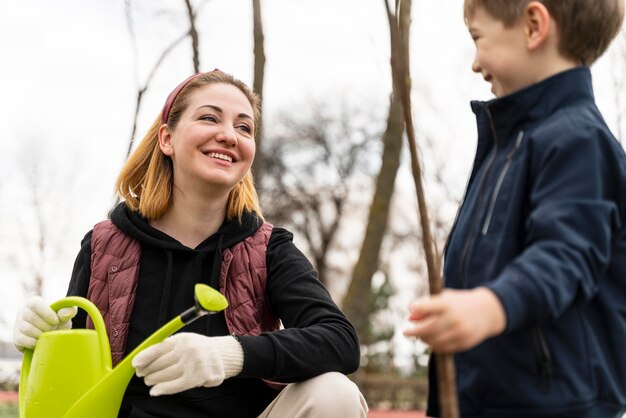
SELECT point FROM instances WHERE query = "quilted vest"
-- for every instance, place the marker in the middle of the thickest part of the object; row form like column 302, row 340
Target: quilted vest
column 115, row 273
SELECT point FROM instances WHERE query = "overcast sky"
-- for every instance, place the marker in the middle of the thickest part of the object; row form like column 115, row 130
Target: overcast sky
column 68, row 79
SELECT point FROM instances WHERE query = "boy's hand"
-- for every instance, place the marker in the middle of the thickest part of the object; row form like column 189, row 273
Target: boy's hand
column 456, row 320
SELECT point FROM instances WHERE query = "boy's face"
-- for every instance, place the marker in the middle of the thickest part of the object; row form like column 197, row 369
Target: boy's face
column 501, row 54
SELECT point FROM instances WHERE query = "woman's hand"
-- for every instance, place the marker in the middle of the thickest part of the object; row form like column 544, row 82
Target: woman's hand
column 187, row 360
column 456, row 320
column 36, row 317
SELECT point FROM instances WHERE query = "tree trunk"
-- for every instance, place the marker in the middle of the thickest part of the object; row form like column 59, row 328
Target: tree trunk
column 193, row 33
column 355, row 303
column 259, row 75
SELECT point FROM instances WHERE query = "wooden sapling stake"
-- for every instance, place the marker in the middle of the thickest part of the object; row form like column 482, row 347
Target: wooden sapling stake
column 446, row 375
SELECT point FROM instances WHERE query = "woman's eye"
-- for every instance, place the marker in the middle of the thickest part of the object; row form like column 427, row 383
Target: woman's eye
column 209, row 118
column 245, row 128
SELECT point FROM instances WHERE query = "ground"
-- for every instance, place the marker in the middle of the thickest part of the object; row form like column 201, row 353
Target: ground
column 395, row 414
column 8, row 401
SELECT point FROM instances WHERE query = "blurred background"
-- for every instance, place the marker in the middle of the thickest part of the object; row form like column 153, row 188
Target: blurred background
column 81, row 79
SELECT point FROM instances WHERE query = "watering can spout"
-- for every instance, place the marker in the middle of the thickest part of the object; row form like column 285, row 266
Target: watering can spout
column 102, row 398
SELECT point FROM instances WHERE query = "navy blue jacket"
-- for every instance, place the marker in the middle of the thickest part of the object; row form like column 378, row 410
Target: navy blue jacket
column 543, row 225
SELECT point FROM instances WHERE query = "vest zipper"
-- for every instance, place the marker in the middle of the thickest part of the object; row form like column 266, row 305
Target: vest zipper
column 496, row 190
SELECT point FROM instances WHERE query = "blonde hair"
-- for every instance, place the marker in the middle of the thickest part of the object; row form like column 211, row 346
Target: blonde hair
column 147, row 179
column 586, row 27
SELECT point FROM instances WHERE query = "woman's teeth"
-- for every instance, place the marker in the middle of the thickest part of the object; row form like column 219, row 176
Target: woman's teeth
column 220, row 156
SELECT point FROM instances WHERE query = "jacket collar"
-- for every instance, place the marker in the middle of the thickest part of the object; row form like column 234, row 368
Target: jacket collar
column 506, row 115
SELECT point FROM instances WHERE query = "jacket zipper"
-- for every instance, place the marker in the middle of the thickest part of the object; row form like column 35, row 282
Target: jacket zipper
column 496, row 190
column 476, row 216
column 543, row 356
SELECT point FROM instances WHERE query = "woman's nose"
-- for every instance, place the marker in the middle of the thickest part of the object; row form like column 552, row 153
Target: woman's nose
column 228, row 135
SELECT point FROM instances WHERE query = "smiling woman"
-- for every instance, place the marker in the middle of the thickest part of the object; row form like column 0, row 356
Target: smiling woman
column 193, row 111
column 191, row 214
column 212, row 148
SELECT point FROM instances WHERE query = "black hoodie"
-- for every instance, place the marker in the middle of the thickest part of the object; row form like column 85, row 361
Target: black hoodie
column 317, row 337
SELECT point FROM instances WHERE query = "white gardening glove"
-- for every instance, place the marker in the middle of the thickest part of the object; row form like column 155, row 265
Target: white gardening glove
column 36, row 317
column 188, row 360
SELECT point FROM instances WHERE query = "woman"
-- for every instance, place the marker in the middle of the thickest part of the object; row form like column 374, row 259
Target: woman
column 190, row 214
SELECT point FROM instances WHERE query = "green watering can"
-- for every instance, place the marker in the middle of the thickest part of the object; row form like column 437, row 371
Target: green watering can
column 69, row 374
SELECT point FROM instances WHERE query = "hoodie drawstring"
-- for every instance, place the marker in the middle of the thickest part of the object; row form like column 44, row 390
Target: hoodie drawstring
column 167, row 284
column 167, row 289
column 217, row 263
column 216, row 269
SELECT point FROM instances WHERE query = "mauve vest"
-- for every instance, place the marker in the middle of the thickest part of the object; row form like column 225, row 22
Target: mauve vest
column 115, row 272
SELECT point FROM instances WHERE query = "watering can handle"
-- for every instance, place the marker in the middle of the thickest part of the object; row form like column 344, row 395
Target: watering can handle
column 101, row 332
column 96, row 318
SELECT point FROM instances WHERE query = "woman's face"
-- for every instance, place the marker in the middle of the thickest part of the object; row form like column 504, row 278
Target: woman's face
column 213, row 144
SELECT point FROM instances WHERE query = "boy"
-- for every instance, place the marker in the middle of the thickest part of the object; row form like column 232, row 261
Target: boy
column 536, row 259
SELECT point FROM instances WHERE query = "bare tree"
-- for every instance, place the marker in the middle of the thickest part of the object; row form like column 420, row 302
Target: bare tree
column 193, row 34
column 142, row 87
column 316, row 165
column 259, row 77
column 368, row 261
column 43, row 222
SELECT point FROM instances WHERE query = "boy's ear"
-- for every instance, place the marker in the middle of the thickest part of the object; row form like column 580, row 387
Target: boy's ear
column 537, row 22
column 165, row 140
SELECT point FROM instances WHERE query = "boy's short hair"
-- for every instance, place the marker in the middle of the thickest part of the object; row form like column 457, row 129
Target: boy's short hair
column 586, row 27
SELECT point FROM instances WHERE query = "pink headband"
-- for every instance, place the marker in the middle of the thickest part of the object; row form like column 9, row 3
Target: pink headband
column 165, row 114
